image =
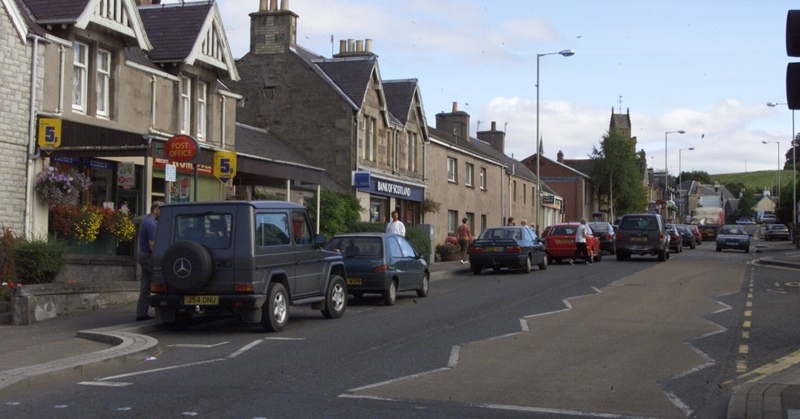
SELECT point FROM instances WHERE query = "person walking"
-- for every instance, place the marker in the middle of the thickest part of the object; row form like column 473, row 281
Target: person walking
column 147, row 237
column 580, row 243
column 396, row 226
column 464, row 239
column 510, row 221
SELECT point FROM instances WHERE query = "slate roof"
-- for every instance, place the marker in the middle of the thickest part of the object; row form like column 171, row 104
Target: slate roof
column 174, row 28
column 584, row 166
column 33, row 27
column 399, row 96
column 261, row 143
column 351, row 75
column 61, row 11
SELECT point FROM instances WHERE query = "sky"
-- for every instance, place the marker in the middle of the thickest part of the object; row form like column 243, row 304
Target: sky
column 706, row 67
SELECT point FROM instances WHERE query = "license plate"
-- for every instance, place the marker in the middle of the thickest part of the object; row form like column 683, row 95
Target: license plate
column 354, row 281
column 639, row 239
column 201, row 300
column 564, row 241
column 732, row 244
column 495, row 249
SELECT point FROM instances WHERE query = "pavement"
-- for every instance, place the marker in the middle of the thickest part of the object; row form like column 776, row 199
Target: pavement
column 73, row 345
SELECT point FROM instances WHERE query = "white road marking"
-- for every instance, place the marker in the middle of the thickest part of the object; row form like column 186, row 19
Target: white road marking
column 196, row 345
column 245, row 348
column 104, row 383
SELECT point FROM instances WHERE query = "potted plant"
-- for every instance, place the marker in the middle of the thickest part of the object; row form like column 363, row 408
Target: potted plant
column 56, row 187
column 449, row 250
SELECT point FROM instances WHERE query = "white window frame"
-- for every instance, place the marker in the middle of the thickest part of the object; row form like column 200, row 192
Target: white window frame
column 452, row 221
column 372, row 138
column 103, row 83
column 469, row 175
column 202, row 109
column 80, row 76
column 186, row 105
column 362, row 137
column 452, row 170
column 483, row 178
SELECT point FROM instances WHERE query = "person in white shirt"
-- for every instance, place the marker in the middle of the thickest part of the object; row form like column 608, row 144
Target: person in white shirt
column 396, row 226
column 580, row 242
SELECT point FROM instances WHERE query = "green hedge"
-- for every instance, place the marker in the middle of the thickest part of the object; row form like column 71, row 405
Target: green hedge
column 418, row 238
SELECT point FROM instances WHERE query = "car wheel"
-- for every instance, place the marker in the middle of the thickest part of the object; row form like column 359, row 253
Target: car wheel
column 187, row 266
column 496, row 269
column 692, row 246
column 275, row 314
column 719, row 249
column 476, row 269
column 528, row 265
column 543, row 265
column 556, row 260
column 599, row 256
column 747, row 250
column 426, row 282
column 335, row 298
column 390, row 295
column 620, row 256
column 662, row 255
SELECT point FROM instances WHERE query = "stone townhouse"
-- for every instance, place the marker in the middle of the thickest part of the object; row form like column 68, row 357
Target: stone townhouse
column 21, row 74
column 369, row 134
column 473, row 178
column 121, row 77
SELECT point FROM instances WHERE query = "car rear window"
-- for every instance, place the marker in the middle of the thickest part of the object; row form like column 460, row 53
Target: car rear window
column 639, row 223
column 210, row 230
column 357, row 247
column 563, row 231
column 600, row 227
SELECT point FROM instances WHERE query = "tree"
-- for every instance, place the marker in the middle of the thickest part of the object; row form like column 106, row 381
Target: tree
column 616, row 172
column 790, row 154
column 339, row 212
column 697, row 176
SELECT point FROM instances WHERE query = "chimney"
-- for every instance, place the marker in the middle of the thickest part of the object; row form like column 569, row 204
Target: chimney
column 495, row 138
column 456, row 123
column 273, row 28
column 355, row 48
column 560, row 156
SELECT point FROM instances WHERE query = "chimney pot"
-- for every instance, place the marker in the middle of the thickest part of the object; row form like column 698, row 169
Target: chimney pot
column 284, row 5
column 359, row 45
column 342, row 46
column 351, row 45
column 455, row 106
column 273, row 5
column 494, row 126
column 264, row 6
column 368, row 45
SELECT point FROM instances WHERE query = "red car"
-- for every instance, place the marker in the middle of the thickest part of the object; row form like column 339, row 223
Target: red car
column 697, row 235
column 675, row 239
column 560, row 242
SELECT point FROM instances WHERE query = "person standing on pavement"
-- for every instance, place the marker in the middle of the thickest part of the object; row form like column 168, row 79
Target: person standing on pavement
column 580, row 243
column 147, row 237
column 396, row 226
column 464, row 239
column 510, row 221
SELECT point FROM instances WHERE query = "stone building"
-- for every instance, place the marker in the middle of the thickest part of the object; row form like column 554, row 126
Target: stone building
column 369, row 134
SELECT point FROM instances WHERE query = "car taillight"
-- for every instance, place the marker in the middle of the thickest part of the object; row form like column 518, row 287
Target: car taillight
column 661, row 236
column 158, row 287
column 608, row 236
column 472, row 250
column 243, row 287
column 380, row 268
column 513, row 249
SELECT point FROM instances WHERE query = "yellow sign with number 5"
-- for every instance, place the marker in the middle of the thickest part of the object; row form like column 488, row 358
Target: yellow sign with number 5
column 225, row 165
column 49, row 132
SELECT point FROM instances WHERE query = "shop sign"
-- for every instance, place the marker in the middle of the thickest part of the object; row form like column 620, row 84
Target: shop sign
column 361, row 179
column 393, row 188
column 224, row 165
column 184, row 167
column 181, row 148
column 49, row 132
column 126, row 177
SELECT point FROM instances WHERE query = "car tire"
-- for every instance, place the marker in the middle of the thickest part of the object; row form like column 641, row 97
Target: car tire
column 335, row 298
column 390, row 295
column 692, row 246
column 719, row 249
column 599, row 256
column 543, row 265
column 187, row 266
column 620, row 256
column 528, row 265
column 426, row 283
column 662, row 255
column 275, row 313
column 476, row 269
column 747, row 250
column 496, row 269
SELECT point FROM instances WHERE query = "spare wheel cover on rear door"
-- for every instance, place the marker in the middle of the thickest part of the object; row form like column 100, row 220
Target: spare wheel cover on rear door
column 187, row 266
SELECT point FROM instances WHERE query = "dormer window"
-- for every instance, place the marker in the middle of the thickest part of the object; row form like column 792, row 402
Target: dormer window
column 103, row 83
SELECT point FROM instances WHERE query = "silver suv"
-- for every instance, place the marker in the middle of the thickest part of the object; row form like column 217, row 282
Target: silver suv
column 247, row 258
column 642, row 234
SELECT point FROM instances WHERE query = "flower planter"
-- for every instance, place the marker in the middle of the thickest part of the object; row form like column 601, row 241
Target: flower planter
column 105, row 244
column 448, row 257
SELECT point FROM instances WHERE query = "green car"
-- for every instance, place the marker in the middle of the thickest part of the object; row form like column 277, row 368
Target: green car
column 381, row 263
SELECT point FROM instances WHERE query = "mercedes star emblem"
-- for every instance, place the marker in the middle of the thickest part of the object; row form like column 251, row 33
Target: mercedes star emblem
column 182, row 267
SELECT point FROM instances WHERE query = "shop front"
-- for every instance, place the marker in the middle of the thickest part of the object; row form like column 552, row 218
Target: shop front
column 387, row 194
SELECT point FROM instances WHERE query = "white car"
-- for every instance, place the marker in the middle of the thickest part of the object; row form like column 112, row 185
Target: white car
column 745, row 221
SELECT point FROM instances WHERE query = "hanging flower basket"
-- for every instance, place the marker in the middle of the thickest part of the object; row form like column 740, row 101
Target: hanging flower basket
column 55, row 187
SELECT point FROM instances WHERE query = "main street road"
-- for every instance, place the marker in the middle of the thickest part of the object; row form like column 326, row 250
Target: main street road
column 619, row 339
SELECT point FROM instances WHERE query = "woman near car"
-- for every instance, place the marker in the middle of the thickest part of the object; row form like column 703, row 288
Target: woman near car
column 464, row 239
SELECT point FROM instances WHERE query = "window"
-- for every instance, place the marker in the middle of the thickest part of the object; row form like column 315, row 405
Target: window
column 411, row 155
column 452, row 221
column 514, row 191
column 371, row 139
column 80, row 77
column 186, row 105
column 524, row 195
column 452, row 169
column 202, row 96
column 362, row 135
column 272, row 229
column 470, row 221
column 483, row 178
column 301, row 227
column 470, row 175
column 483, row 223
column 103, row 82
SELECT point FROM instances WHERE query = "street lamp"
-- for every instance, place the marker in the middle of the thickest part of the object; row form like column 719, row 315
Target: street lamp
column 564, row 53
column 779, row 167
column 680, row 175
column 666, row 170
column 794, row 165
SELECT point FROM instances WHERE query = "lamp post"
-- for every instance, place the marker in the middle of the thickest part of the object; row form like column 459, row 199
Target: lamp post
column 680, row 176
column 563, row 53
column 666, row 170
column 779, row 168
column 794, row 165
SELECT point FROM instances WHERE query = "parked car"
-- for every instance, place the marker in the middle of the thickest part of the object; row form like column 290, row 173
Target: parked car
column 745, row 221
column 252, row 259
column 768, row 219
column 560, row 243
column 733, row 237
column 605, row 233
column 514, row 247
column 687, row 235
column 776, row 232
column 675, row 239
column 698, row 236
column 642, row 234
column 381, row 263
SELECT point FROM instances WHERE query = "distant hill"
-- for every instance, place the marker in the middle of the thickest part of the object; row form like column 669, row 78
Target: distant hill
column 754, row 181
